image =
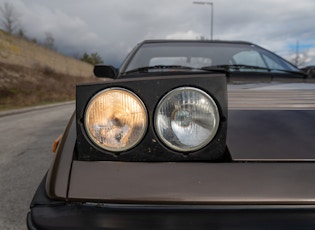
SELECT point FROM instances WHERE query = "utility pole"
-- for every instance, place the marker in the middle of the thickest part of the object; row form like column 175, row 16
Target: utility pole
column 211, row 21
column 297, row 53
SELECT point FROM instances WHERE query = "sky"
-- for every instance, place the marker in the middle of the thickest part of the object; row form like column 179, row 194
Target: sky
column 112, row 28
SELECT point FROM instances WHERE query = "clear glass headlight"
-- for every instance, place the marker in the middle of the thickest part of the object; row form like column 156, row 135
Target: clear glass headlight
column 186, row 119
column 116, row 119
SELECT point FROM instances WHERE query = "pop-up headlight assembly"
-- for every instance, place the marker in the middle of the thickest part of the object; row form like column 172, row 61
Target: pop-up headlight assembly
column 173, row 118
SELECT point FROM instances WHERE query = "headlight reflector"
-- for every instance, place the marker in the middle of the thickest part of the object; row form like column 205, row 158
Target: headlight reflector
column 186, row 119
column 115, row 119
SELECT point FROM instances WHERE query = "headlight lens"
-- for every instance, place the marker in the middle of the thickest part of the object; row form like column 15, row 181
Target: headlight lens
column 116, row 119
column 186, row 119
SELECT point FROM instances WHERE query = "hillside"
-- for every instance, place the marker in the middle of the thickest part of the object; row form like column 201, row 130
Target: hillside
column 32, row 75
column 21, row 86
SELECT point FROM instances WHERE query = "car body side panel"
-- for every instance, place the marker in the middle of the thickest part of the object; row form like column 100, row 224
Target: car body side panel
column 59, row 172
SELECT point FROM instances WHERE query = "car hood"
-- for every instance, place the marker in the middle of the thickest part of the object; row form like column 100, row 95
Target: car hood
column 271, row 134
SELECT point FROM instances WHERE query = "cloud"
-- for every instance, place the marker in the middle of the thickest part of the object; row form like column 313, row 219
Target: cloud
column 184, row 35
column 113, row 27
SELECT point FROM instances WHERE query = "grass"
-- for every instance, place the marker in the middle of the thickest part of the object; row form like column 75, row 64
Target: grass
column 22, row 87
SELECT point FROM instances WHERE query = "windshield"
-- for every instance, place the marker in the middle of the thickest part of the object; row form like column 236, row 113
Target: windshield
column 205, row 54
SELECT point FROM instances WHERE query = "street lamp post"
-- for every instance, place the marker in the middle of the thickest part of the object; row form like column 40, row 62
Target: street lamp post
column 210, row 4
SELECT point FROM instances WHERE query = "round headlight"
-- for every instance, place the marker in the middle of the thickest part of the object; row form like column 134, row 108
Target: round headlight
column 115, row 119
column 186, row 119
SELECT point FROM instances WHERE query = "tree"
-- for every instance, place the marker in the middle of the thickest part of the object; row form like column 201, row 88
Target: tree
column 93, row 58
column 301, row 59
column 9, row 18
column 21, row 34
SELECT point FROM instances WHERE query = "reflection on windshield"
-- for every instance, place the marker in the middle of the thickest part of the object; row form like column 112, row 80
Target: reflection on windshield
column 201, row 54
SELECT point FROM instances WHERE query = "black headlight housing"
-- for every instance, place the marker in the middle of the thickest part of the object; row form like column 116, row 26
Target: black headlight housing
column 148, row 141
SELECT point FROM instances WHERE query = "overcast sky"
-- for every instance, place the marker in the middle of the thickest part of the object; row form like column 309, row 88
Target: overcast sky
column 112, row 27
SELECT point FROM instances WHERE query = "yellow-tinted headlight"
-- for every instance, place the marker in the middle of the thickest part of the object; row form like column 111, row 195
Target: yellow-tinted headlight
column 116, row 119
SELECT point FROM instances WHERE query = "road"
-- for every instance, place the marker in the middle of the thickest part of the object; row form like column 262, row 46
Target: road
column 26, row 140
column 25, row 155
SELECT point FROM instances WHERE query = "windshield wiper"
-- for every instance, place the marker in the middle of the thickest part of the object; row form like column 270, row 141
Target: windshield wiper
column 161, row 67
column 236, row 67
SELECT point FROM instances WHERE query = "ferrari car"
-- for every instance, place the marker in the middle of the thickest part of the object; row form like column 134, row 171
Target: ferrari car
column 155, row 146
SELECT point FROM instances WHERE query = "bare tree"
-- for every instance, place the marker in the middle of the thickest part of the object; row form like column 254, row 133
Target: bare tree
column 9, row 18
column 301, row 59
